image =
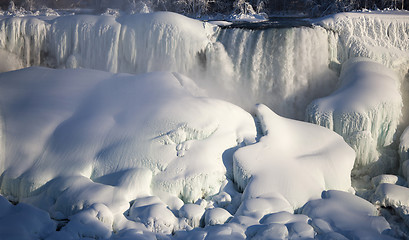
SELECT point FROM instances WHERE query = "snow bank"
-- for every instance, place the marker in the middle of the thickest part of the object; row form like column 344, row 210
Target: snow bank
column 292, row 163
column 73, row 137
column 341, row 215
column 365, row 109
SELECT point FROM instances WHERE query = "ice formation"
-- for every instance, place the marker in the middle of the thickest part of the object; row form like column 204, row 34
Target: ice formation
column 91, row 154
column 365, row 109
column 404, row 154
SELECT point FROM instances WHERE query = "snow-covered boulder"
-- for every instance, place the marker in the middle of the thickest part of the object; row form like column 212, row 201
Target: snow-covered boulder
column 391, row 195
column 216, row 216
column 395, row 196
column 365, row 109
column 193, row 213
column 72, row 137
column 291, row 164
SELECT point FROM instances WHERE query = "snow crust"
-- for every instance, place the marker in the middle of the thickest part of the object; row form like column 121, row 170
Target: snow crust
column 365, row 109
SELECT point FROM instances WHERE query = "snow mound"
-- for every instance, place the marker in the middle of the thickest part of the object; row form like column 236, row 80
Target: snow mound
column 365, row 109
column 341, row 215
column 23, row 222
column 291, row 164
column 72, row 137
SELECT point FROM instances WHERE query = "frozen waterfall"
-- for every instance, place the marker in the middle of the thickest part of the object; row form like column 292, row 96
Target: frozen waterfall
column 284, row 68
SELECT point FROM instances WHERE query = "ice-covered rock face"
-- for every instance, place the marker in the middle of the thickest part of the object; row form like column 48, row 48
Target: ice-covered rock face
column 404, row 153
column 381, row 37
column 74, row 130
column 365, row 110
column 292, row 163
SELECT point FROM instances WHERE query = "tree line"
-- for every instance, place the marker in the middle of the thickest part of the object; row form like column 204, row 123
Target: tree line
column 211, row 7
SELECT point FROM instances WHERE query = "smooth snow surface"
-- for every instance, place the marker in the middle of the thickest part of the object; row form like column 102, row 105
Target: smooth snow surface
column 365, row 109
column 292, row 163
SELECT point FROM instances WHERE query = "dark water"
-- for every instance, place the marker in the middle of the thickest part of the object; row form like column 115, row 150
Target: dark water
column 273, row 22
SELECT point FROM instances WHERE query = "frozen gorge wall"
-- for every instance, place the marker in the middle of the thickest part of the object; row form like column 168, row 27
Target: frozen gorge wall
column 283, row 68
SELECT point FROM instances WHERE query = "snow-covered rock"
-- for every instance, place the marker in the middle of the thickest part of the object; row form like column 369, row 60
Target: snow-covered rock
column 71, row 137
column 391, row 195
column 395, row 196
column 365, row 109
column 291, row 164
column 387, row 178
column 193, row 213
column 341, row 215
column 216, row 216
